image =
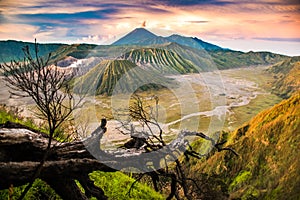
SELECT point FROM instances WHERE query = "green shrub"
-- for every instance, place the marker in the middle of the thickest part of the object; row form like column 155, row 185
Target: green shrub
column 39, row 190
column 116, row 185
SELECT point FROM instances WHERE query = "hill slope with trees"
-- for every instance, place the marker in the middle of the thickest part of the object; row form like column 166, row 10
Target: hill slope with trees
column 268, row 164
column 287, row 74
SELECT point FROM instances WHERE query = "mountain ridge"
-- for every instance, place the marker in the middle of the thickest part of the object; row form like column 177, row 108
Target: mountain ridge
column 141, row 36
column 119, row 76
column 203, row 55
column 287, row 77
column 160, row 60
column 12, row 49
column 193, row 42
column 138, row 36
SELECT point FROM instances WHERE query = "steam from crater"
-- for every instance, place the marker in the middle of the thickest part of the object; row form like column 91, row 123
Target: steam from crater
column 144, row 24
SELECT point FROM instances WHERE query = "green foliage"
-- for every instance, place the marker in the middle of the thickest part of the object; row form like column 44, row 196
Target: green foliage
column 39, row 191
column 251, row 194
column 12, row 50
column 12, row 117
column 240, row 180
column 116, row 185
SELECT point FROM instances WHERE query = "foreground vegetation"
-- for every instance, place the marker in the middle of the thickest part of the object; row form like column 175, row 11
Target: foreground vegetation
column 116, row 185
column 268, row 166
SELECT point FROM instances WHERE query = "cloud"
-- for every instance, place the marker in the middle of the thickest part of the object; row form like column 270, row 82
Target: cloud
column 2, row 18
column 23, row 32
column 100, row 21
column 198, row 22
column 97, row 39
column 194, row 2
column 280, row 6
column 68, row 17
column 277, row 39
column 144, row 24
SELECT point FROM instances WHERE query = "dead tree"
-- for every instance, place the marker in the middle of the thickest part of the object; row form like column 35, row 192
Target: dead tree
column 151, row 139
column 22, row 149
column 47, row 86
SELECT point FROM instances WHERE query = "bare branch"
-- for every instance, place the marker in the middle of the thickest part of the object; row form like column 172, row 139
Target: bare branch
column 47, row 86
column 147, row 116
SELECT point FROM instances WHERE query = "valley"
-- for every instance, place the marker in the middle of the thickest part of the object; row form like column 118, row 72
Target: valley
column 206, row 102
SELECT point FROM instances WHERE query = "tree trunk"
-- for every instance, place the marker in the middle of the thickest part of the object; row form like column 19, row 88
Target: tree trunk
column 21, row 150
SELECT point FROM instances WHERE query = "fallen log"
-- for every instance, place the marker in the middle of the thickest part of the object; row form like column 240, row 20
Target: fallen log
column 21, row 150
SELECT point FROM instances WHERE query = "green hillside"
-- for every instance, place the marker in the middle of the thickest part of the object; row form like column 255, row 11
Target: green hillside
column 193, row 42
column 200, row 58
column 184, row 59
column 12, row 50
column 268, row 147
column 222, row 59
column 78, row 51
column 287, row 75
column 225, row 59
column 161, row 60
column 104, row 77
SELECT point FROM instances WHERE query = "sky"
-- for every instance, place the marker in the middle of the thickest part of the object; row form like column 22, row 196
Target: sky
column 257, row 25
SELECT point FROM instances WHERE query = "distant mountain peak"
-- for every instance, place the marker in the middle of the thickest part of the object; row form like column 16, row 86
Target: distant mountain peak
column 142, row 31
column 143, row 37
column 137, row 36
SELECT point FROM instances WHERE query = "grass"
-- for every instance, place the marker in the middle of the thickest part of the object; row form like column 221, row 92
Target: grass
column 245, row 113
column 39, row 190
column 240, row 179
column 9, row 115
column 267, row 145
column 12, row 117
column 116, row 186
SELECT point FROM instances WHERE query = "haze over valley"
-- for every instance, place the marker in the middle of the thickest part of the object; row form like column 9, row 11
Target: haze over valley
column 196, row 82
